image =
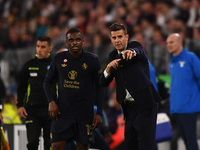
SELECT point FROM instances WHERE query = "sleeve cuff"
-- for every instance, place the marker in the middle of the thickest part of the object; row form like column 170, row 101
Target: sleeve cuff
column 106, row 74
column 133, row 51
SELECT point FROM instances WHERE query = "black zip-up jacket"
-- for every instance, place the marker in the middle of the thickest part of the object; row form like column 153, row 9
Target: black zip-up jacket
column 30, row 90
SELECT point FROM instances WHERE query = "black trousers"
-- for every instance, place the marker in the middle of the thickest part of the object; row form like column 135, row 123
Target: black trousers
column 99, row 141
column 140, row 127
column 37, row 120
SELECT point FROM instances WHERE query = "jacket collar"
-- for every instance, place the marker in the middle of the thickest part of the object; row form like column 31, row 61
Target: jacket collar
column 44, row 59
column 117, row 52
column 175, row 58
column 71, row 57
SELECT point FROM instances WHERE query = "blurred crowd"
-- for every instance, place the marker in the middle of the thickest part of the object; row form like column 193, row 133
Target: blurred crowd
column 148, row 22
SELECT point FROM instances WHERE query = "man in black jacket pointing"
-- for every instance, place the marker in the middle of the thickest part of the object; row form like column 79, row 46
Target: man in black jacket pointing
column 135, row 91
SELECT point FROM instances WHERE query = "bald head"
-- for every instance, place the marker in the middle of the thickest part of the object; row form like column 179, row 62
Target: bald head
column 174, row 44
column 175, row 36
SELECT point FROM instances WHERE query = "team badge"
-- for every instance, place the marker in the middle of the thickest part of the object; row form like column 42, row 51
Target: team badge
column 65, row 60
column 48, row 67
column 64, row 65
column 84, row 66
column 100, row 71
column 182, row 63
column 72, row 75
column 51, row 135
column 90, row 138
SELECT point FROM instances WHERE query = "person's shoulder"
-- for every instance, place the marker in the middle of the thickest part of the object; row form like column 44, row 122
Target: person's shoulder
column 192, row 54
column 134, row 44
column 188, row 54
column 90, row 55
column 190, row 57
column 113, row 52
column 31, row 61
column 60, row 54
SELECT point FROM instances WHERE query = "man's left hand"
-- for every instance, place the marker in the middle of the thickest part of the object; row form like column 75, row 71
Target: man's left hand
column 97, row 120
column 129, row 54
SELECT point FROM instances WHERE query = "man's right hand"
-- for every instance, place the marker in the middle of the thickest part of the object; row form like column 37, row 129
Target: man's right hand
column 53, row 110
column 115, row 64
column 22, row 112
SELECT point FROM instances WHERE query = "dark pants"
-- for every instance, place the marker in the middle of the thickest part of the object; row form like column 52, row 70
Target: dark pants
column 174, row 140
column 34, row 123
column 140, row 127
column 187, row 126
column 99, row 141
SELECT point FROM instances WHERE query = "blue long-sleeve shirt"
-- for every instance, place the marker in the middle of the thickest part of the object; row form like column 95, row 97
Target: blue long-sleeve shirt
column 185, row 83
column 153, row 75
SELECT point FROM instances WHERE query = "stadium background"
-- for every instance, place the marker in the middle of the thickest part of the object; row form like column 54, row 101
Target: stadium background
column 148, row 21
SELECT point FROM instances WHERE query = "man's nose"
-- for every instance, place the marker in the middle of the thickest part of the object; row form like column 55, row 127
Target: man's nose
column 75, row 42
column 117, row 40
column 39, row 49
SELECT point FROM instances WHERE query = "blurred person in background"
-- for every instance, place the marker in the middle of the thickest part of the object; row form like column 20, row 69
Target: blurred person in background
column 157, row 53
column 153, row 75
column 2, row 95
column 32, row 101
column 194, row 13
column 113, row 111
column 185, row 89
column 10, row 110
column 195, row 44
column 184, row 11
column 42, row 26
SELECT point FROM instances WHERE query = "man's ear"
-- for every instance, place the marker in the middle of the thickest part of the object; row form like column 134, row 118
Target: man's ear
column 181, row 42
column 50, row 49
column 127, row 36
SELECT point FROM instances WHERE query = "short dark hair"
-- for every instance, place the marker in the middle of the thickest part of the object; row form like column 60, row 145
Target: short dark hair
column 44, row 38
column 74, row 30
column 9, row 99
column 118, row 26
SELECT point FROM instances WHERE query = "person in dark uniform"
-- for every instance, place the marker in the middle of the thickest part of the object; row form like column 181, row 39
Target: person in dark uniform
column 32, row 101
column 2, row 94
column 134, row 89
column 77, row 72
